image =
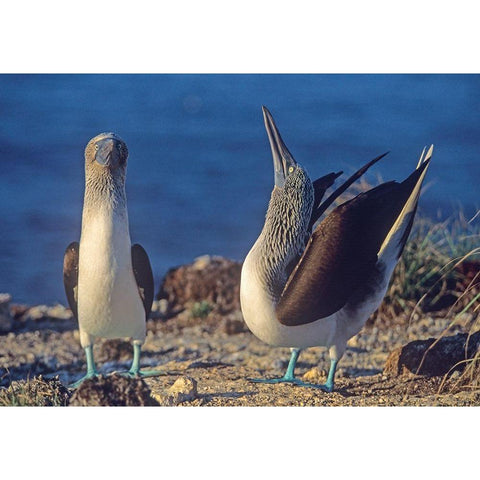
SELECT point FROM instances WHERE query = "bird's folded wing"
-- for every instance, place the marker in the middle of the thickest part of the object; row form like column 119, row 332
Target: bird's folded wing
column 341, row 254
column 143, row 276
column 70, row 276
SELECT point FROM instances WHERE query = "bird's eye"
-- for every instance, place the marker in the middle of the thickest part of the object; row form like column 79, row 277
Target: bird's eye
column 96, row 148
column 290, row 169
column 119, row 147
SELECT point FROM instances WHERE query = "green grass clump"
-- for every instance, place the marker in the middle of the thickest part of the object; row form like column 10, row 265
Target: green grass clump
column 35, row 392
column 201, row 309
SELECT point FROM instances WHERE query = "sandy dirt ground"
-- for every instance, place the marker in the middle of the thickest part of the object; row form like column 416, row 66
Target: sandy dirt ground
column 219, row 356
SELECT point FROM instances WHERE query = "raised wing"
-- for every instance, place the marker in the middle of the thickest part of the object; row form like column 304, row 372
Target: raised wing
column 320, row 186
column 320, row 209
column 70, row 276
column 143, row 276
column 343, row 251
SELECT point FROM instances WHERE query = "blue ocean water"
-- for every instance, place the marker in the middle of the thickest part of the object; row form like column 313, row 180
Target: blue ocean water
column 200, row 170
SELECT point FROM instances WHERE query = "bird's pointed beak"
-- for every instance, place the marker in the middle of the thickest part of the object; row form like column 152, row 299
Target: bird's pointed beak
column 107, row 152
column 282, row 158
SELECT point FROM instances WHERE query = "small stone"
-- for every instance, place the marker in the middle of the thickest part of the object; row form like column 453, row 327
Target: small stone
column 162, row 306
column 185, row 386
column 6, row 319
column 314, row 375
column 183, row 390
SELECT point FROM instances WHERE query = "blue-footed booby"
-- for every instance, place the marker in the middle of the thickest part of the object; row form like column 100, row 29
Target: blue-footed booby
column 108, row 281
column 303, row 286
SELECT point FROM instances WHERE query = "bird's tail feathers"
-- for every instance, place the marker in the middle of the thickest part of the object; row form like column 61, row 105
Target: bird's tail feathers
column 392, row 246
column 425, row 158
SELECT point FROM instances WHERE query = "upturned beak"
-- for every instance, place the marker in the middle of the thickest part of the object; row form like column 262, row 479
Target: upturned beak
column 282, row 158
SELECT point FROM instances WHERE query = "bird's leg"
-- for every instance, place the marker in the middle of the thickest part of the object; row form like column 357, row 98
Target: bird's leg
column 328, row 385
column 135, row 368
column 91, row 370
column 289, row 376
column 336, row 352
column 135, row 371
column 290, row 373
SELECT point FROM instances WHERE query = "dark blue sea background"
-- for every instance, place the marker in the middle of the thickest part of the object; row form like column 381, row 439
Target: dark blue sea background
column 200, row 170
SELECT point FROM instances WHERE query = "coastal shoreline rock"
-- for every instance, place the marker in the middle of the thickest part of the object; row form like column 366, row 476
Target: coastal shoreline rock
column 433, row 357
column 6, row 319
column 209, row 284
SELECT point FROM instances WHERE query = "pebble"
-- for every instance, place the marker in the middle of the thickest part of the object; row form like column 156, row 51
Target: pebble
column 183, row 390
column 162, row 306
column 314, row 375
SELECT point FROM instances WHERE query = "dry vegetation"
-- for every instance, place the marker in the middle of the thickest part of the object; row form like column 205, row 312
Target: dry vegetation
column 440, row 271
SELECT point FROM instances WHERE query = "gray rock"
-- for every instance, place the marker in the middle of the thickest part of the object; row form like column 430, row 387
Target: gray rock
column 6, row 320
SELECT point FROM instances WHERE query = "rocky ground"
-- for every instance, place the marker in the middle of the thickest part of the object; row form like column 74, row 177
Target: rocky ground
column 208, row 356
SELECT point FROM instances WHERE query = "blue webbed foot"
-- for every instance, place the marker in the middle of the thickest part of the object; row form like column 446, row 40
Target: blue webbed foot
column 289, row 376
column 85, row 377
column 293, row 381
column 142, row 373
column 135, row 371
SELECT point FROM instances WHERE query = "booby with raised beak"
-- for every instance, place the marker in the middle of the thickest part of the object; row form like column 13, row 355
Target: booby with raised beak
column 108, row 281
column 303, row 286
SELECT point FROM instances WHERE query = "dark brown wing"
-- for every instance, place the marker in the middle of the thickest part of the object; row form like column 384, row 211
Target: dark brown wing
column 144, row 276
column 319, row 210
column 342, row 253
column 70, row 276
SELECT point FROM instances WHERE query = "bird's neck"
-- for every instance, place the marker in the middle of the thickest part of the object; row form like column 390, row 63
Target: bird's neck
column 105, row 206
column 281, row 242
column 104, row 191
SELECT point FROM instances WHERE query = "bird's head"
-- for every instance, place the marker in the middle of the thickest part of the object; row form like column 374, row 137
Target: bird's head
column 291, row 202
column 287, row 172
column 106, row 154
